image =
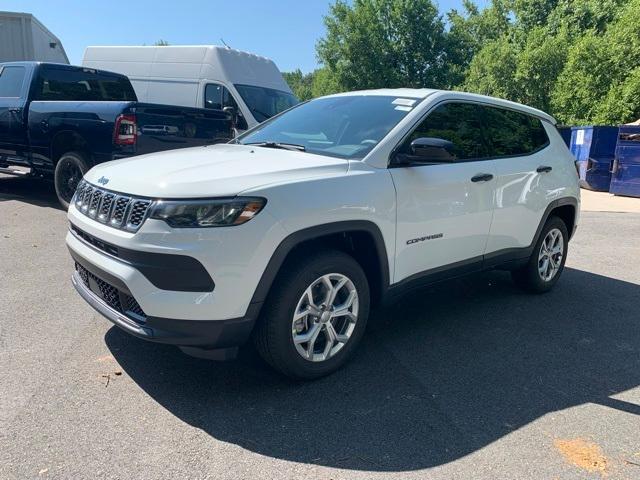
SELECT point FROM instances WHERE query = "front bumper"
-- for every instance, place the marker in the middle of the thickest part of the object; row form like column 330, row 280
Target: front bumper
column 207, row 303
column 191, row 333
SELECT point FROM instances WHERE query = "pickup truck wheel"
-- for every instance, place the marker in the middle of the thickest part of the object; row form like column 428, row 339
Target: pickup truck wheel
column 546, row 263
column 315, row 316
column 70, row 169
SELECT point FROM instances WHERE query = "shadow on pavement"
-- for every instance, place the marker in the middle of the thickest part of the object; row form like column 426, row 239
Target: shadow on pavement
column 34, row 191
column 441, row 375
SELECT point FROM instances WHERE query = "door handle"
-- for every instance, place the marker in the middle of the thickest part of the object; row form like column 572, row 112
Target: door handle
column 614, row 166
column 15, row 110
column 543, row 169
column 482, row 177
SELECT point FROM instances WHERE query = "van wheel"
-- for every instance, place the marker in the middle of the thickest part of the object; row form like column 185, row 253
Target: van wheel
column 315, row 315
column 70, row 169
column 546, row 263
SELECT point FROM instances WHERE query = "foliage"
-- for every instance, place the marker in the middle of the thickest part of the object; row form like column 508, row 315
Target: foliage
column 161, row 43
column 577, row 59
column 384, row 43
column 310, row 85
column 301, row 84
column 600, row 81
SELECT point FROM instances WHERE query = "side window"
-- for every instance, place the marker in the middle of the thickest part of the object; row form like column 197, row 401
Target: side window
column 513, row 133
column 217, row 97
column 458, row 123
column 11, row 80
column 82, row 84
column 213, row 96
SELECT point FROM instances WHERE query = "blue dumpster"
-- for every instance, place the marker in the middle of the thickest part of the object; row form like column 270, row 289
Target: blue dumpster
column 594, row 150
column 565, row 133
column 625, row 177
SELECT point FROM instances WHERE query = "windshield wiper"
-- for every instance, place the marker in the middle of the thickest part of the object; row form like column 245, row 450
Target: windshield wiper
column 283, row 146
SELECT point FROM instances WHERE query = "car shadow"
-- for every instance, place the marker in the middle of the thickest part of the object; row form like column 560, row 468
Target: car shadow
column 442, row 374
column 34, row 191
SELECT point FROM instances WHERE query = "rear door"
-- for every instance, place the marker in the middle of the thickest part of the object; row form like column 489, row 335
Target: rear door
column 444, row 209
column 525, row 181
column 13, row 131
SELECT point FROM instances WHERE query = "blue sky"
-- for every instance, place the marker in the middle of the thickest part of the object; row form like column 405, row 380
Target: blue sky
column 285, row 31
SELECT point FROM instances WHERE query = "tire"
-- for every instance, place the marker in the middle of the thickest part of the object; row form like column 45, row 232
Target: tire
column 69, row 171
column 531, row 277
column 304, row 276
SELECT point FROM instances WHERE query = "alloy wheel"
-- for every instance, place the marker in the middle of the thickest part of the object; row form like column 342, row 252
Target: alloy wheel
column 550, row 256
column 70, row 177
column 325, row 317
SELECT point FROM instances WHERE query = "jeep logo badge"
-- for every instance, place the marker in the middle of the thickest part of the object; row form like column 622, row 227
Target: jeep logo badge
column 103, row 180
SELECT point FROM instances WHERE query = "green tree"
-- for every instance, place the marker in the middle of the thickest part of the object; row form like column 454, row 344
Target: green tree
column 469, row 31
column 577, row 59
column 161, row 43
column 493, row 69
column 600, row 81
column 538, row 65
column 301, row 84
column 315, row 84
column 384, row 43
column 325, row 83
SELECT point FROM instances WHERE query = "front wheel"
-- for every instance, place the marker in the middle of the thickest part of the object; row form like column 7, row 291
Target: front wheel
column 546, row 263
column 315, row 315
column 69, row 171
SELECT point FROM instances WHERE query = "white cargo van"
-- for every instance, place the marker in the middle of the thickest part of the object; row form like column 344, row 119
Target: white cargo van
column 203, row 76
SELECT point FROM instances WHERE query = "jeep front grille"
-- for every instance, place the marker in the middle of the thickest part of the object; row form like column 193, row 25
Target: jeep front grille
column 111, row 208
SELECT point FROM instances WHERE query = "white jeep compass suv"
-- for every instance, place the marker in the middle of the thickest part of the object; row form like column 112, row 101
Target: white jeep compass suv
column 295, row 230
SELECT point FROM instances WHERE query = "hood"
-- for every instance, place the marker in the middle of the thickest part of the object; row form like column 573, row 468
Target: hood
column 213, row 171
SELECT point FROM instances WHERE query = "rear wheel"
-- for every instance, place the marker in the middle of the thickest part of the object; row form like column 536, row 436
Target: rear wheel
column 315, row 315
column 70, row 169
column 546, row 263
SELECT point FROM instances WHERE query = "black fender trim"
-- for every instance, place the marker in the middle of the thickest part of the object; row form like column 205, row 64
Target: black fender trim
column 560, row 202
column 311, row 233
column 431, row 276
column 513, row 257
column 508, row 258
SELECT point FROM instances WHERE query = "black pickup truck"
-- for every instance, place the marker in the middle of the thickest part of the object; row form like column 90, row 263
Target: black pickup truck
column 60, row 120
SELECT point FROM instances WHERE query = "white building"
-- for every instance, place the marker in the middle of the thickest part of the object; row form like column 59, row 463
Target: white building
column 23, row 37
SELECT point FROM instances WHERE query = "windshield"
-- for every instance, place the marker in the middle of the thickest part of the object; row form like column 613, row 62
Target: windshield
column 263, row 102
column 344, row 126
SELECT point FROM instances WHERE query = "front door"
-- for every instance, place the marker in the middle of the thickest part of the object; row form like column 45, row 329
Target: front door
column 13, row 132
column 444, row 209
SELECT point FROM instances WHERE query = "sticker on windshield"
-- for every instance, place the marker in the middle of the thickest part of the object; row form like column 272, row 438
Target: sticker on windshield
column 403, row 108
column 408, row 102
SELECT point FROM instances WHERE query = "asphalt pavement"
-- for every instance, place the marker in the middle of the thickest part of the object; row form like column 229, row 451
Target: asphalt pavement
column 469, row 379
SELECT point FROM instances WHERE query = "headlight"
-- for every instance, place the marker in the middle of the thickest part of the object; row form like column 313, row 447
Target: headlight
column 207, row 213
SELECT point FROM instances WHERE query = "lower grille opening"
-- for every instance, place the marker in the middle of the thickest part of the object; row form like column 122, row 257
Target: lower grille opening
column 116, row 299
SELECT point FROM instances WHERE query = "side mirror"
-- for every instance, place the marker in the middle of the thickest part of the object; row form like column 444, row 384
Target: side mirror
column 429, row 149
column 231, row 111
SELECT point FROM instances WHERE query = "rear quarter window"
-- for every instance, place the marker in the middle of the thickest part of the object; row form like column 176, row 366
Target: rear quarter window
column 511, row 133
column 66, row 84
